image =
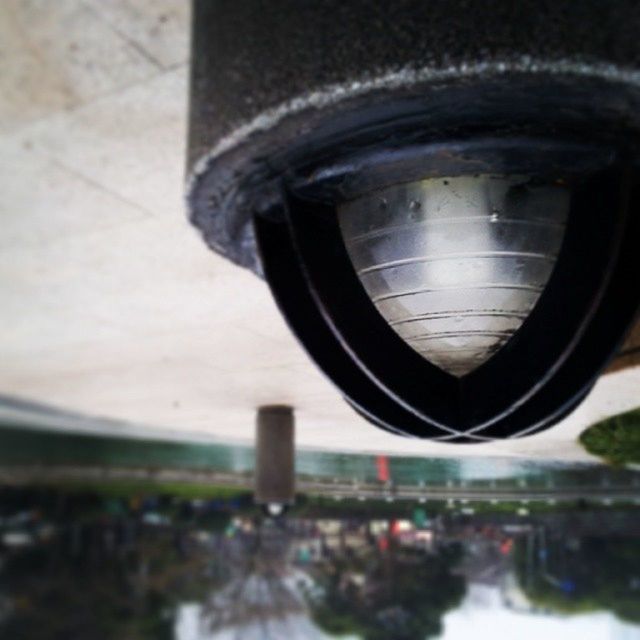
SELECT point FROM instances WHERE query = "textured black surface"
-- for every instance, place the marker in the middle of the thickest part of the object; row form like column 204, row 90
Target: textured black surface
column 251, row 57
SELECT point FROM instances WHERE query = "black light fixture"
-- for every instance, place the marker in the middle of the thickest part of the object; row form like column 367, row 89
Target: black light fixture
column 455, row 246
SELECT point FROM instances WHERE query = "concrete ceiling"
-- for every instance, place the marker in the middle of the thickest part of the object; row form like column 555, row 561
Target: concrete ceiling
column 110, row 304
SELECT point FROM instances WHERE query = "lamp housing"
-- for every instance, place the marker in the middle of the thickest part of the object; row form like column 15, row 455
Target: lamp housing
column 448, row 223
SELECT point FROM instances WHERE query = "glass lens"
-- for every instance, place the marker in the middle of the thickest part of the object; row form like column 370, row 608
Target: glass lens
column 455, row 265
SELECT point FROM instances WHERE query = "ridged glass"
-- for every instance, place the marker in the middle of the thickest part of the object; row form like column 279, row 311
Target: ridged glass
column 455, row 265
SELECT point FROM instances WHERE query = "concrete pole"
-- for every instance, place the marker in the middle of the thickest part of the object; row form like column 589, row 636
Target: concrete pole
column 274, row 469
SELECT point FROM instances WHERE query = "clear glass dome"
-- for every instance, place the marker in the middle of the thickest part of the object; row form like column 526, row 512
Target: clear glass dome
column 455, row 265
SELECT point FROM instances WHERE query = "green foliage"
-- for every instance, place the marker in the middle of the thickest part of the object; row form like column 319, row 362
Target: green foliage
column 405, row 595
column 616, row 439
column 605, row 572
column 124, row 595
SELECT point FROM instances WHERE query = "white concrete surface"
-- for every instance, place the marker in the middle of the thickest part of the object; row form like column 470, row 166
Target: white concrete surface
column 110, row 304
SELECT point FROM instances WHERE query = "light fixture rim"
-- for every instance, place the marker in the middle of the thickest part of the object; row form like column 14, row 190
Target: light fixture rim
column 354, row 174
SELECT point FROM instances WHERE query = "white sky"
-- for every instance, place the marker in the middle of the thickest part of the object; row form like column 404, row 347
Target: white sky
column 491, row 621
column 480, row 617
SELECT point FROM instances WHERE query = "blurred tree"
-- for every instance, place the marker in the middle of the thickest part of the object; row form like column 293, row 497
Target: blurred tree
column 616, row 439
column 591, row 574
column 399, row 593
column 105, row 579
